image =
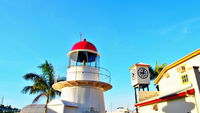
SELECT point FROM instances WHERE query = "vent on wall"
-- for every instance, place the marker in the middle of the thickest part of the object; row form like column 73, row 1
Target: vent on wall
column 181, row 69
column 155, row 107
column 167, row 75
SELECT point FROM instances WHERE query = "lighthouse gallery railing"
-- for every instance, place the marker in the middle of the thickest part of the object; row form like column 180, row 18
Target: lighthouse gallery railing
column 104, row 74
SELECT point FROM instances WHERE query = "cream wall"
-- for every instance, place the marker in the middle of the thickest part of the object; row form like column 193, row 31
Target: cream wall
column 181, row 105
column 174, row 81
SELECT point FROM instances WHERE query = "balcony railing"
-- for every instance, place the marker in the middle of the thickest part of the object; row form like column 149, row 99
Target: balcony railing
column 104, row 74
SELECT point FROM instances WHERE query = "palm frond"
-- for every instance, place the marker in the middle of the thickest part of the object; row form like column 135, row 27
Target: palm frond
column 38, row 97
column 152, row 73
column 48, row 72
column 58, row 93
column 42, row 83
column 31, row 76
column 31, row 89
column 27, row 89
column 47, row 68
column 51, row 94
column 156, row 71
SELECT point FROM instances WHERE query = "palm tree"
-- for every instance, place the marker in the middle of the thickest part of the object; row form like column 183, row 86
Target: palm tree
column 156, row 71
column 42, row 84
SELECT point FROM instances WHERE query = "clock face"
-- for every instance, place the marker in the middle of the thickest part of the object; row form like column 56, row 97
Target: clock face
column 142, row 73
column 133, row 74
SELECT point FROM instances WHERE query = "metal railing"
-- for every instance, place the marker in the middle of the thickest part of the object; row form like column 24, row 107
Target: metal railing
column 104, row 74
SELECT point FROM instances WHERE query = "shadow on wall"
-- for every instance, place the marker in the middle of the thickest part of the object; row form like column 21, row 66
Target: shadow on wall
column 178, row 106
column 51, row 111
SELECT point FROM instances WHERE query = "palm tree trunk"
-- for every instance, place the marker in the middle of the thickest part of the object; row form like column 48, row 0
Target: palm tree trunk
column 45, row 109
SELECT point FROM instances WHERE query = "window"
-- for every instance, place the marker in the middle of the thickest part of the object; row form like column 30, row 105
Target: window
column 184, row 79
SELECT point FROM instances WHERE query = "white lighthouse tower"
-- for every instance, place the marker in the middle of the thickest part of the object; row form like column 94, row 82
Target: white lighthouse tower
column 82, row 92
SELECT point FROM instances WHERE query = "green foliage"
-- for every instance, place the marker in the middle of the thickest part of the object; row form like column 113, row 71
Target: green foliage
column 8, row 109
column 156, row 71
column 42, row 84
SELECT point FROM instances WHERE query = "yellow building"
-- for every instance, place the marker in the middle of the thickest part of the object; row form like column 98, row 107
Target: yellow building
column 179, row 88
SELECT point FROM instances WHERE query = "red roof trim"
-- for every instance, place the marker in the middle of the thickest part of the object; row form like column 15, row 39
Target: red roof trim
column 142, row 65
column 191, row 91
column 84, row 45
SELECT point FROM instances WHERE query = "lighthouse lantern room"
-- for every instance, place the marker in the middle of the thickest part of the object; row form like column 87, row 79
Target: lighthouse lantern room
column 83, row 62
column 83, row 53
column 82, row 92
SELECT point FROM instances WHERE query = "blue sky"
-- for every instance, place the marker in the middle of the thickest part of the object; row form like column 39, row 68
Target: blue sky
column 124, row 32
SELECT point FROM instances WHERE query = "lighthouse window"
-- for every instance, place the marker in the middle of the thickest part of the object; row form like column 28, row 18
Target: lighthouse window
column 74, row 56
column 184, row 79
column 82, row 56
column 91, row 57
column 73, row 59
column 86, row 56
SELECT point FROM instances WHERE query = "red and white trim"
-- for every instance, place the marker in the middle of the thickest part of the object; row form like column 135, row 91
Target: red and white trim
column 161, row 99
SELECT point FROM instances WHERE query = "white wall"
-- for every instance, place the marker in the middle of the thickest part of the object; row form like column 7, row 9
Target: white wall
column 82, row 73
column 85, row 97
column 55, row 106
column 55, row 109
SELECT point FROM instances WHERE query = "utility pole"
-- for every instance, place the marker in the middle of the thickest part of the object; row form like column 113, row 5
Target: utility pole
column 2, row 99
column 111, row 106
column 128, row 106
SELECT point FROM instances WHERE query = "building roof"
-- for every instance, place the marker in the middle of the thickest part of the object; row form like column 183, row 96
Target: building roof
column 62, row 102
column 84, row 45
column 139, row 64
column 33, row 108
column 191, row 55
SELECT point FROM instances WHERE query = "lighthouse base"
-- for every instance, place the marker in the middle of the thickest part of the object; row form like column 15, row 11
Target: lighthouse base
column 78, row 99
column 60, row 106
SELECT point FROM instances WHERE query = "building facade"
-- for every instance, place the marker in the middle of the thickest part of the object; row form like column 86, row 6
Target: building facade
column 179, row 88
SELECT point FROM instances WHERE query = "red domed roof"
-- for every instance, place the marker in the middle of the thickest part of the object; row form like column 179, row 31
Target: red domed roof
column 84, row 45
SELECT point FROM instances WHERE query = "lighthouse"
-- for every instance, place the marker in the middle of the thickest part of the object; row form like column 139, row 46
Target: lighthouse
column 83, row 90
